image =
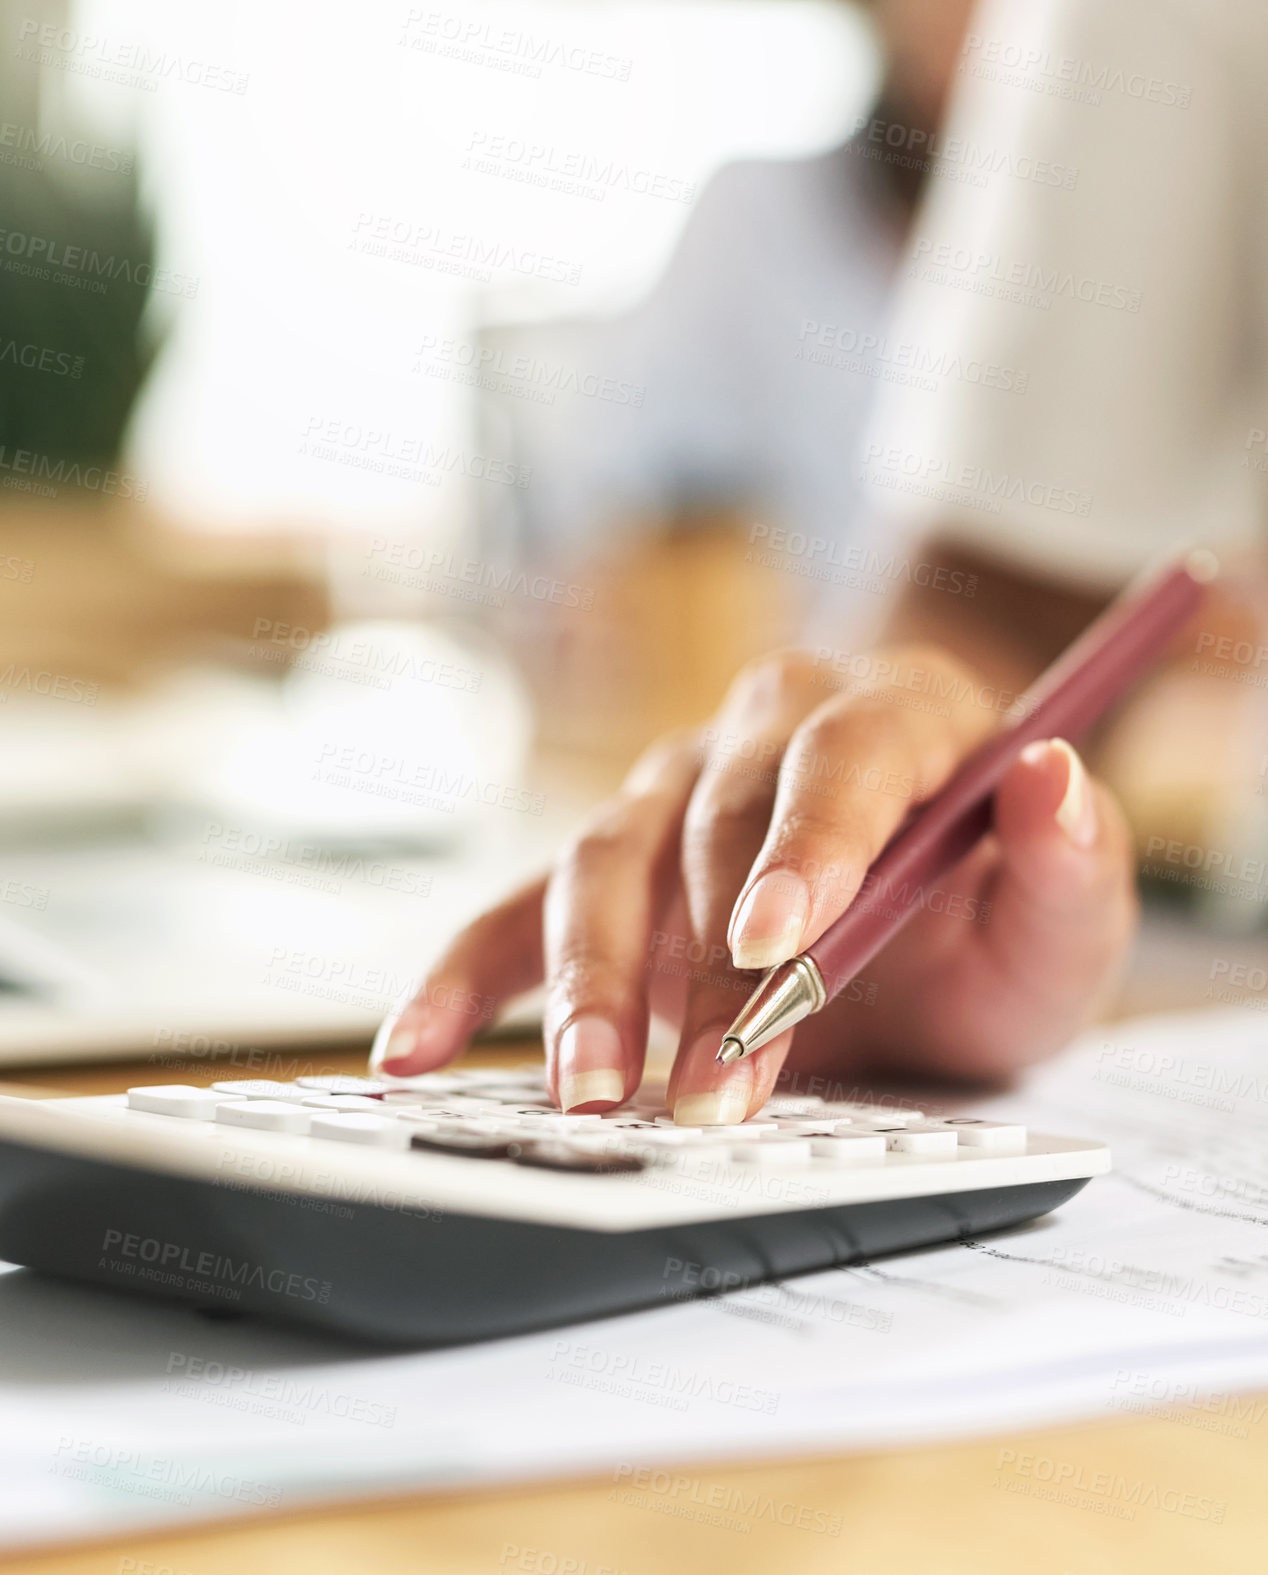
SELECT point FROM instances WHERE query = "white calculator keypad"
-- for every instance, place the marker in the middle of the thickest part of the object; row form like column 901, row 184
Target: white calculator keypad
column 497, row 1115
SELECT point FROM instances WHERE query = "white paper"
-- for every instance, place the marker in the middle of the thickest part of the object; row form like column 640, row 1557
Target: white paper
column 1148, row 1289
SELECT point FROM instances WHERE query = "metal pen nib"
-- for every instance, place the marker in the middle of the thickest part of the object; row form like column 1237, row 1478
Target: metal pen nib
column 788, row 992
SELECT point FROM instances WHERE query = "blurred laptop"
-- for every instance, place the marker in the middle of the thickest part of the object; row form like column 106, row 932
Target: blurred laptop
column 135, row 921
column 139, row 949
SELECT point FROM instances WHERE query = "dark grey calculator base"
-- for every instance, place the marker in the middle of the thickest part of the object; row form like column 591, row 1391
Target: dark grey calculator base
column 404, row 1277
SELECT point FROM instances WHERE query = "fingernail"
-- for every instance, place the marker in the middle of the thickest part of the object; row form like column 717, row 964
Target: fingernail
column 590, row 1070
column 770, row 920
column 727, row 1101
column 399, row 1045
column 722, row 1107
column 1076, row 813
column 392, row 1053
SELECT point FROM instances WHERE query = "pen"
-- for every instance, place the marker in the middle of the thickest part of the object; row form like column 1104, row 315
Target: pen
column 1107, row 657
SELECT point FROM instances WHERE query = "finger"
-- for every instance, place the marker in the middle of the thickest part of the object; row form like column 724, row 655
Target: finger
column 1029, row 932
column 601, row 907
column 704, row 1094
column 725, row 824
column 1063, row 901
column 497, row 956
column 855, row 767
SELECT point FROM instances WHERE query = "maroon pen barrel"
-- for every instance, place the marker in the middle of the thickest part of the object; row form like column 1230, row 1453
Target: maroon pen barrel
column 1081, row 684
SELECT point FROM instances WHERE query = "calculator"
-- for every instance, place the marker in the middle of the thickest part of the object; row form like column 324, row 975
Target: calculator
column 462, row 1205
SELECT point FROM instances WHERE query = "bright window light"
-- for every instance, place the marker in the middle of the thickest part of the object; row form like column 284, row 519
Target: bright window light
column 341, row 183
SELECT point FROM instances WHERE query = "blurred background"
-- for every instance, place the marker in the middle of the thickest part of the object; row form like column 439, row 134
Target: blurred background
column 409, row 414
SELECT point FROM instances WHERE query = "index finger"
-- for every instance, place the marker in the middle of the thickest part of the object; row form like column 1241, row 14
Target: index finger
column 497, row 956
column 853, row 770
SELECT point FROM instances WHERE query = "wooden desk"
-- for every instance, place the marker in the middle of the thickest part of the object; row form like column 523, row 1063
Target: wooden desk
column 951, row 1510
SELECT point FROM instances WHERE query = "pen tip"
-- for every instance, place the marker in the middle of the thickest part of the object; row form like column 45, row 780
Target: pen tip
column 729, row 1050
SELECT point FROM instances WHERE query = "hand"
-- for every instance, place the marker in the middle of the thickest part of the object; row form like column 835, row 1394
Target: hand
column 733, row 848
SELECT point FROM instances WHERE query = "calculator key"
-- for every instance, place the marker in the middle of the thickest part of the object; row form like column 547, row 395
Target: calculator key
column 572, row 1157
column 430, row 1082
column 849, row 1149
column 880, row 1124
column 268, row 1115
column 741, row 1131
column 987, row 1134
column 929, row 1142
column 427, row 1115
column 757, row 1127
column 348, row 1102
column 422, row 1087
column 176, row 1099
column 426, row 1112
column 883, row 1115
column 260, row 1088
column 772, row 1152
column 342, row 1085
column 428, row 1128
column 678, row 1138
column 487, row 1128
column 448, row 1101
column 792, row 1105
column 380, row 1131
column 532, row 1134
